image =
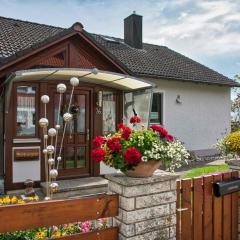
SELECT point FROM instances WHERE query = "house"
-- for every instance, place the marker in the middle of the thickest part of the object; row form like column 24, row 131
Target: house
column 163, row 87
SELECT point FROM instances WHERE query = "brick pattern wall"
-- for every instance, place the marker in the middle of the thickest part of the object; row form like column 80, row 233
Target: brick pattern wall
column 147, row 206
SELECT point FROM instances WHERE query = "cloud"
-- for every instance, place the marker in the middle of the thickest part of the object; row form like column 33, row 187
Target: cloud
column 210, row 27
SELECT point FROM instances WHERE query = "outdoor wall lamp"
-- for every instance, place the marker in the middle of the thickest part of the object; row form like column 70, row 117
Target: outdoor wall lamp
column 178, row 99
column 99, row 98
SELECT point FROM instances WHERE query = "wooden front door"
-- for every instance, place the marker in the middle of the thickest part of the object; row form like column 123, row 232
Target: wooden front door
column 76, row 144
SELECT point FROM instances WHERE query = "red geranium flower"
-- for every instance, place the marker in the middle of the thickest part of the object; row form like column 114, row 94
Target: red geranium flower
column 121, row 126
column 98, row 154
column 97, row 141
column 162, row 131
column 132, row 156
column 169, row 138
column 114, row 144
column 135, row 119
column 126, row 133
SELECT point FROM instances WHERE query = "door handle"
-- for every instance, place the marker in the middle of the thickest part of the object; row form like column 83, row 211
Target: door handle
column 88, row 135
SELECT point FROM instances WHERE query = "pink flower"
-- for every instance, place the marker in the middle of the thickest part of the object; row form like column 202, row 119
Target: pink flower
column 55, row 228
column 85, row 226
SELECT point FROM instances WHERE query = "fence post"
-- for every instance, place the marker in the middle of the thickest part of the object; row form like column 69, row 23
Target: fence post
column 147, row 208
column 234, row 164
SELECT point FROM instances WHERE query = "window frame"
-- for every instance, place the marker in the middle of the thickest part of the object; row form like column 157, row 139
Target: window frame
column 162, row 96
column 15, row 86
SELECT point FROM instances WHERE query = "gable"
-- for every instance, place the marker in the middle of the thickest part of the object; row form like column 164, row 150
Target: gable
column 74, row 52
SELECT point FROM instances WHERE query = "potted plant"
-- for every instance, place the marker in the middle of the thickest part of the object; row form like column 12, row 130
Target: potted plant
column 137, row 151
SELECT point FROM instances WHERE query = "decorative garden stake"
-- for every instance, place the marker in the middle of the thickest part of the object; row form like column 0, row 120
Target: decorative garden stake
column 50, row 151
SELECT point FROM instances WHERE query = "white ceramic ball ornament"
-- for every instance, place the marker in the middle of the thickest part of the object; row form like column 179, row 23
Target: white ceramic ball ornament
column 57, row 126
column 67, row 117
column 59, row 159
column 52, row 132
column 43, row 122
column 94, row 71
column 45, row 99
column 54, row 185
column 74, row 81
column 51, row 161
column 45, row 151
column 61, row 88
column 50, row 149
column 53, row 173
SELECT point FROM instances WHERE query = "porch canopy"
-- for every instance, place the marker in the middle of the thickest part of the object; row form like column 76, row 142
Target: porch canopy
column 104, row 78
column 108, row 79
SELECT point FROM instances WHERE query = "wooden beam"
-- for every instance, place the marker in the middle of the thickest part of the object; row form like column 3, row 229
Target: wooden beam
column 49, row 213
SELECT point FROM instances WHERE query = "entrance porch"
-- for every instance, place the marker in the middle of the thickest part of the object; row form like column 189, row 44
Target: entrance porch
column 101, row 100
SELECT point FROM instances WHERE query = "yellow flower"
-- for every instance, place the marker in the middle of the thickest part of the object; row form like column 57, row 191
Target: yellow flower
column 57, row 234
column 6, row 200
column 14, row 200
column 40, row 235
column 31, row 199
column 36, row 198
column 20, row 201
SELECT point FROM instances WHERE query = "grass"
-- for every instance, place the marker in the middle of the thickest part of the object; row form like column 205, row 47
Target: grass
column 205, row 170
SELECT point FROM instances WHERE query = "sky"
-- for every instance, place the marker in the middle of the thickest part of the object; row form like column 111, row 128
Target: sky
column 207, row 31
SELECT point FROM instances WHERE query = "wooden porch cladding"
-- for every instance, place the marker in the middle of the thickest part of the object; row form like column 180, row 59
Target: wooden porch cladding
column 49, row 213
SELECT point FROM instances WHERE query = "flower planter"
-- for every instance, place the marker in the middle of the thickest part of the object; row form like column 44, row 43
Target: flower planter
column 144, row 169
column 108, row 233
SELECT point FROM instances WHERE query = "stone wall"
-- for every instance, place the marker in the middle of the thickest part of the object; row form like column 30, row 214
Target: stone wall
column 147, row 206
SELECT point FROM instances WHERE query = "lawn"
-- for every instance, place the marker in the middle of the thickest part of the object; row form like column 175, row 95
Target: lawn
column 205, row 170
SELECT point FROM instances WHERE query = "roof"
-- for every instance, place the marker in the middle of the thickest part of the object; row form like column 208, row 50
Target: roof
column 17, row 37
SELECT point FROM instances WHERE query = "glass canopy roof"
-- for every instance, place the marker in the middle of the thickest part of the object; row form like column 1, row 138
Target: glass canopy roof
column 108, row 79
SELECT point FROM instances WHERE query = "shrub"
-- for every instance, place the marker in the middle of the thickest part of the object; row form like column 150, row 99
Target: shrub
column 230, row 144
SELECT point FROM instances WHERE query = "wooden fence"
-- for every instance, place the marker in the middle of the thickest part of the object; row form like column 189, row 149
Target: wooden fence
column 49, row 213
column 202, row 216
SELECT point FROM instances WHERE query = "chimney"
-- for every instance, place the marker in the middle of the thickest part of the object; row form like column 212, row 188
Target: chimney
column 133, row 30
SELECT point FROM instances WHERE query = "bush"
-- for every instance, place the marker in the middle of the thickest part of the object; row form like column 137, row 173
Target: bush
column 230, row 144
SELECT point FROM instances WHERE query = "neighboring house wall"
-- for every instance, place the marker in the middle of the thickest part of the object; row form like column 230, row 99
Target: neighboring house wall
column 201, row 118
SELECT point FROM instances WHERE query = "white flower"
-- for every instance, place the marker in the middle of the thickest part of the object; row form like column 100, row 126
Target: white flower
column 144, row 158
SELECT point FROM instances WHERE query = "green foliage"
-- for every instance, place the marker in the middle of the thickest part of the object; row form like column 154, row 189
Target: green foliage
column 205, row 170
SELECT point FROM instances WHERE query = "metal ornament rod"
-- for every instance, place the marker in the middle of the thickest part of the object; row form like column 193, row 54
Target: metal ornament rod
column 50, row 151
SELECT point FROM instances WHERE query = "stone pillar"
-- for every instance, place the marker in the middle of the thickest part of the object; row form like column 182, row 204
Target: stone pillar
column 147, row 206
column 234, row 164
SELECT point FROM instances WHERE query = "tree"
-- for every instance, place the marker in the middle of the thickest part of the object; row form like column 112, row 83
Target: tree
column 236, row 108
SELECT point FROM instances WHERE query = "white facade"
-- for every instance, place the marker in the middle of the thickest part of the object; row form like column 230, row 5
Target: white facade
column 203, row 115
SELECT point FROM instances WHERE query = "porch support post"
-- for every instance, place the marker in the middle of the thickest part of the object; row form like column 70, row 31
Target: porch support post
column 147, row 208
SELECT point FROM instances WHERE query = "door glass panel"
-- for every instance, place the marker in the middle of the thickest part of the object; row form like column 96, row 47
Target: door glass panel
column 60, row 166
column 109, row 112
column 81, row 115
column 56, row 104
column 81, row 159
column 26, row 111
column 70, row 157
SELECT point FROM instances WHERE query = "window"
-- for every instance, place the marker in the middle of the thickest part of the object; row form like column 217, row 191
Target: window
column 156, row 115
column 26, row 111
column 109, row 112
column 138, row 101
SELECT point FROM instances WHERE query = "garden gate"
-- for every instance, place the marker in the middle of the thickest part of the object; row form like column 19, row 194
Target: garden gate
column 201, row 215
column 56, row 212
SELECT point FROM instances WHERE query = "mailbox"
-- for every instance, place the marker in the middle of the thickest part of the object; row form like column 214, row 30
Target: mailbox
column 226, row 187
